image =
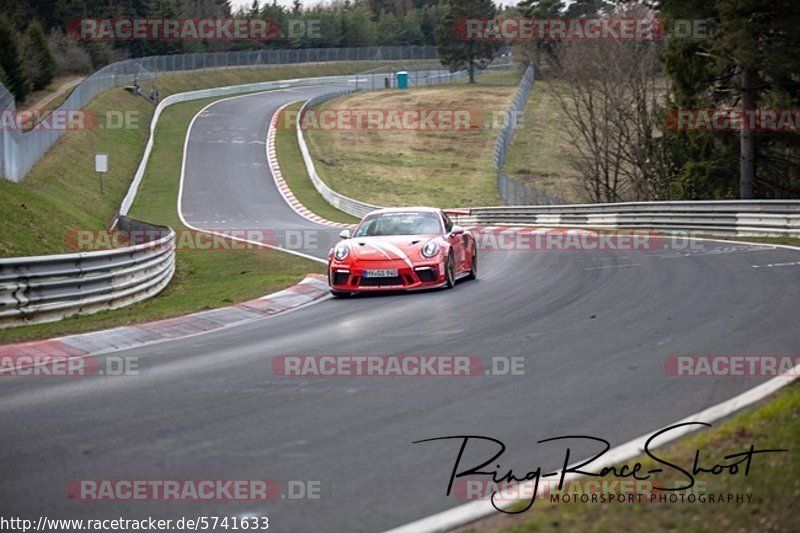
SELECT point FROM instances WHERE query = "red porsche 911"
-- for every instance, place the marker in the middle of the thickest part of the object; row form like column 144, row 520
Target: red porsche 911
column 399, row 249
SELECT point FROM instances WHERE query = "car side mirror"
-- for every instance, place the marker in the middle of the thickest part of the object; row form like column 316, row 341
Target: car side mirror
column 457, row 230
column 344, row 234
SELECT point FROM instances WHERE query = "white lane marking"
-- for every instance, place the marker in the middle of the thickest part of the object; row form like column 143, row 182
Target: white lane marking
column 183, row 175
column 109, row 349
column 771, row 265
column 614, row 266
column 473, row 511
column 280, row 182
column 470, row 512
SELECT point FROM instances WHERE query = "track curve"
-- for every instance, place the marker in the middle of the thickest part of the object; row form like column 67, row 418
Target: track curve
column 594, row 328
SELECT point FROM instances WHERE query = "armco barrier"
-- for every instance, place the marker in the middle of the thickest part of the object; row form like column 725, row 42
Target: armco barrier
column 20, row 151
column 215, row 92
column 339, row 201
column 734, row 217
column 127, row 202
column 52, row 287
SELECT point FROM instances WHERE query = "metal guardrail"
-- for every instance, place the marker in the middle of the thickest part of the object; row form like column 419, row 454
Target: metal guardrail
column 20, row 151
column 735, row 217
column 127, row 202
column 47, row 288
column 509, row 189
column 429, row 77
column 339, row 201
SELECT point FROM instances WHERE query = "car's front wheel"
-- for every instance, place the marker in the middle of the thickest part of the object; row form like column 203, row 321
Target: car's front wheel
column 450, row 272
column 473, row 272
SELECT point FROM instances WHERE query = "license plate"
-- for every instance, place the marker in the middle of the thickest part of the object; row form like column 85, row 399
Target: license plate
column 385, row 273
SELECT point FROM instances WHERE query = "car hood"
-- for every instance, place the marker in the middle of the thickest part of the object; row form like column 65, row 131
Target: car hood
column 390, row 247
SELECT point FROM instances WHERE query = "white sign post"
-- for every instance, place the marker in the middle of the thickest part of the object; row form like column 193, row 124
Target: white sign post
column 101, row 167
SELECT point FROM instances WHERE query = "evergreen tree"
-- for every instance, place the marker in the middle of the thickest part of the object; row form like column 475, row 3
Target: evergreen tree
column 358, row 29
column 11, row 61
column 751, row 61
column 44, row 62
column 587, row 8
column 542, row 9
column 457, row 52
column 3, row 78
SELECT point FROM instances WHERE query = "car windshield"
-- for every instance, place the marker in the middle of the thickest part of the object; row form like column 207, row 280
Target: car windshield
column 399, row 224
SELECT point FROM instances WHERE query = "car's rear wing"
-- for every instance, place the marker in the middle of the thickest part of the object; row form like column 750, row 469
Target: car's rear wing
column 458, row 212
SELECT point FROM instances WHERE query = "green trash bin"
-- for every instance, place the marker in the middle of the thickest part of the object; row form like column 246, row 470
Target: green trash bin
column 402, row 80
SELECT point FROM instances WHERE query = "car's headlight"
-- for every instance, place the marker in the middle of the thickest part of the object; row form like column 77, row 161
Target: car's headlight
column 430, row 249
column 341, row 252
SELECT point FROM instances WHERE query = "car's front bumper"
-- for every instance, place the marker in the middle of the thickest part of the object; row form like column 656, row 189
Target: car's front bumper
column 350, row 277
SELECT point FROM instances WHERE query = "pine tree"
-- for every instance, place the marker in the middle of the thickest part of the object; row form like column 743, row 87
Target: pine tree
column 11, row 61
column 3, row 78
column 542, row 9
column 357, row 28
column 751, row 61
column 455, row 50
column 587, row 8
column 45, row 63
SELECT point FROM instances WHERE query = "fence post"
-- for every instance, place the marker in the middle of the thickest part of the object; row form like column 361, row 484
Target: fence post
column 18, row 153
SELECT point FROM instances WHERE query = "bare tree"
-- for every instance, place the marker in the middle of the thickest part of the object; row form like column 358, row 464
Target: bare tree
column 610, row 93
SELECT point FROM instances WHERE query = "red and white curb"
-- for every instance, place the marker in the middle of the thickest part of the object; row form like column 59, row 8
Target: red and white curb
column 280, row 182
column 311, row 289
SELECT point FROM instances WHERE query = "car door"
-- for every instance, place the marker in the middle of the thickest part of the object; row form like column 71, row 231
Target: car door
column 456, row 244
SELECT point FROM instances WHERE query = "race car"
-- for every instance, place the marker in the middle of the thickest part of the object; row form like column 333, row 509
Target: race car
column 400, row 249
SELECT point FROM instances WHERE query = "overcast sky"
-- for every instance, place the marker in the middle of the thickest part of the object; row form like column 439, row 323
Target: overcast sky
column 307, row 3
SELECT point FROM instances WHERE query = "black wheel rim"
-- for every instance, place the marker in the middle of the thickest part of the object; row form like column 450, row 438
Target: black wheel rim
column 451, row 268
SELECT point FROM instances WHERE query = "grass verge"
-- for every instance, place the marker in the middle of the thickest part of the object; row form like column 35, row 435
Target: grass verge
column 294, row 172
column 53, row 95
column 204, row 279
column 62, row 191
column 539, row 152
column 773, row 483
column 444, row 167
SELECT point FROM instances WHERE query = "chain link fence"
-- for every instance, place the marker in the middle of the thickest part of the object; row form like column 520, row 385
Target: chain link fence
column 19, row 151
column 513, row 191
column 419, row 75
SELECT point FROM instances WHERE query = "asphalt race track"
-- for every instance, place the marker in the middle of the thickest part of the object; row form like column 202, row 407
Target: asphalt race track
column 594, row 328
